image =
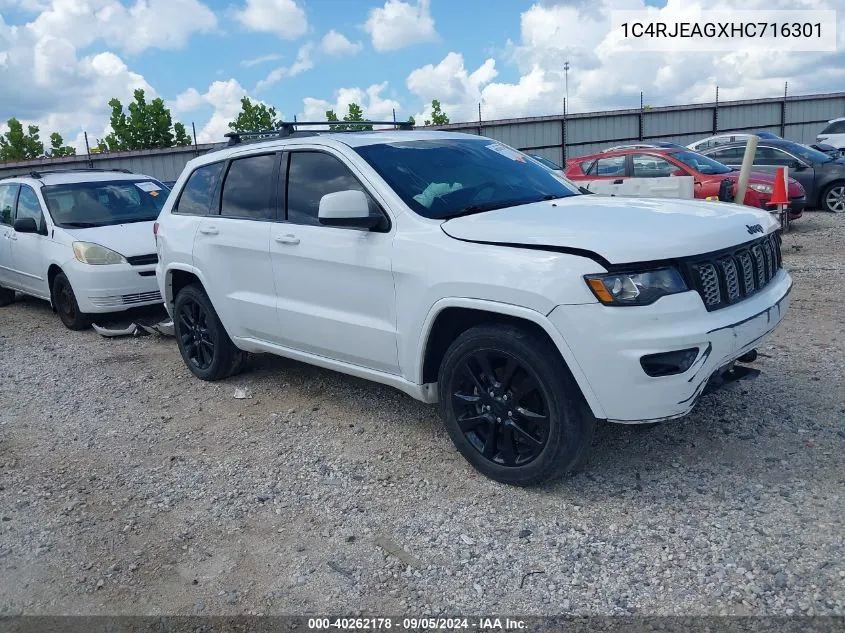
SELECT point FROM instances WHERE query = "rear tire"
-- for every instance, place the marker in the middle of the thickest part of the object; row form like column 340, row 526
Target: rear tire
column 64, row 300
column 511, row 406
column 7, row 297
column 203, row 342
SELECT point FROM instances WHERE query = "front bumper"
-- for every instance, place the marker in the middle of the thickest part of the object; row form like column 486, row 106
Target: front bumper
column 608, row 343
column 112, row 288
column 796, row 207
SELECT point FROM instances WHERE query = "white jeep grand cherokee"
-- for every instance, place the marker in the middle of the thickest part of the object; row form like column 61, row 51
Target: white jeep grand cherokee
column 462, row 272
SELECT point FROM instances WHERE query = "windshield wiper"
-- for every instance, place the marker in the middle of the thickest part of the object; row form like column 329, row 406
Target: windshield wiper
column 79, row 225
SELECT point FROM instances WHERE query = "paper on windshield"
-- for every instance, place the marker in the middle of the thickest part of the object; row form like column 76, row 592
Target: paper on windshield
column 149, row 187
column 507, row 152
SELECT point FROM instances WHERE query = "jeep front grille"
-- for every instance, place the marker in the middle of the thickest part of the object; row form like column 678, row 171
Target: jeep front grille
column 729, row 276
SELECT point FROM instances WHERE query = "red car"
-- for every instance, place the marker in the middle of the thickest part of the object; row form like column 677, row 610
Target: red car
column 707, row 174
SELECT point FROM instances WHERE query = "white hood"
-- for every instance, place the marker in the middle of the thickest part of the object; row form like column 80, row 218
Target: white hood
column 130, row 240
column 621, row 230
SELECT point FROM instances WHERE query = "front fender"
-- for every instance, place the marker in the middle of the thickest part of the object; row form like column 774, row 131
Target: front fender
column 510, row 310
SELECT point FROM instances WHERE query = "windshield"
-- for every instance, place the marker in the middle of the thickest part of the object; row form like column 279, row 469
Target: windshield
column 444, row 178
column 700, row 163
column 83, row 205
column 808, row 153
column 546, row 162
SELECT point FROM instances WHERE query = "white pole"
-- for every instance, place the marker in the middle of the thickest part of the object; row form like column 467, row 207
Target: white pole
column 745, row 170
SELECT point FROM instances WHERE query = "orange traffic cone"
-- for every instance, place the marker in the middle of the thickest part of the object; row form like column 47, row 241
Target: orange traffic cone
column 779, row 194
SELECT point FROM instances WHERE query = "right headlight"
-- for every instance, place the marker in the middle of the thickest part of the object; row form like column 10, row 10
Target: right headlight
column 636, row 288
column 89, row 253
column 761, row 187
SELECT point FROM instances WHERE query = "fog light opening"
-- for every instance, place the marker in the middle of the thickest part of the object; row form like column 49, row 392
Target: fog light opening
column 669, row 363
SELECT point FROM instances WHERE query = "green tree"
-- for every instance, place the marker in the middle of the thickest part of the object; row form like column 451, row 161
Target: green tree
column 19, row 145
column 141, row 126
column 58, row 147
column 354, row 114
column 412, row 121
column 255, row 117
column 181, row 136
column 438, row 117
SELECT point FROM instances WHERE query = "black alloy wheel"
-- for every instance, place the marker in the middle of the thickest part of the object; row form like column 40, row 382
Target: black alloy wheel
column 511, row 405
column 500, row 408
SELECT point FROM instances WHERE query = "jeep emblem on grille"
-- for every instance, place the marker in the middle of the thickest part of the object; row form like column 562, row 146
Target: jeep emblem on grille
column 754, row 228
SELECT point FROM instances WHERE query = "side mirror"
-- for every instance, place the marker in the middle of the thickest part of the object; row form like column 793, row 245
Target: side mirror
column 347, row 208
column 26, row 225
column 797, row 165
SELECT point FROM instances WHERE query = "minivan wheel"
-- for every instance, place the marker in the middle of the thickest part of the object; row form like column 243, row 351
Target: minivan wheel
column 7, row 297
column 203, row 342
column 511, row 406
column 833, row 198
column 64, row 300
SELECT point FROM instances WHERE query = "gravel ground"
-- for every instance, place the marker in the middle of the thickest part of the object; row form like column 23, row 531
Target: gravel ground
column 128, row 486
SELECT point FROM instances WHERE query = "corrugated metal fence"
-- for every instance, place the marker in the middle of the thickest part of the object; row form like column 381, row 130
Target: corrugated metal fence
column 556, row 137
column 560, row 136
column 163, row 164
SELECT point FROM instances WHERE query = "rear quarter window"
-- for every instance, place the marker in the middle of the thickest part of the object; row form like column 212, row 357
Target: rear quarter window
column 198, row 193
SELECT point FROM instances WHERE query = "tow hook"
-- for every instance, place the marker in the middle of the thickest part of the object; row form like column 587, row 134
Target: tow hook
column 729, row 374
column 748, row 357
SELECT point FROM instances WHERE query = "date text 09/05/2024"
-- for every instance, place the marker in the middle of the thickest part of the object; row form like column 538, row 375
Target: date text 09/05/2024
column 418, row 624
column 721, row 29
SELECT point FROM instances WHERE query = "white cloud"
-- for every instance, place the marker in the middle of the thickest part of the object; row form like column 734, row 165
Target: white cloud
column 458, row 90
column 400, row 24
column 224, row 97
column 375, row 107
column 605, row 75
column 165, row 24
column 255, row 61
column 187, row 101
column 284, row 18
column 303, row 62
column 336, row 44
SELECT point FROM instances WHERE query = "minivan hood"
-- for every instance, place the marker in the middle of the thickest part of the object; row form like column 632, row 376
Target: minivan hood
column 619, row 230
column 130, row 240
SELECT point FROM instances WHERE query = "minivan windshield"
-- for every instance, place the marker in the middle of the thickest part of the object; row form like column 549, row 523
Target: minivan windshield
column 700, row 163
column 445, row 178
column 83, row 205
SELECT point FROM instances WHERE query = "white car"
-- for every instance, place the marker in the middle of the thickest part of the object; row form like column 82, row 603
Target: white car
column 461, row 271
column 81, row 239
column 728, row 137
column 834, row 134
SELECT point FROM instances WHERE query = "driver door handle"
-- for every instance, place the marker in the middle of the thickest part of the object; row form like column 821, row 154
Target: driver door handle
column 12, row 236
column 287, row 239
column 209, row 230
column 617, row 182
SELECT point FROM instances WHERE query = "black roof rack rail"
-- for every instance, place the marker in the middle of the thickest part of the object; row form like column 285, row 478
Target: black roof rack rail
column 37, row 174
column 288, row 129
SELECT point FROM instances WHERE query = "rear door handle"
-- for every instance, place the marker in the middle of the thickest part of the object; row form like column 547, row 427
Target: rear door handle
column 287, row 239
column 617, row 182
column 209, row 230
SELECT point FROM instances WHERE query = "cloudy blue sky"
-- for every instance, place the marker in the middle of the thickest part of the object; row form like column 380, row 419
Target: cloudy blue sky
column 62, row 60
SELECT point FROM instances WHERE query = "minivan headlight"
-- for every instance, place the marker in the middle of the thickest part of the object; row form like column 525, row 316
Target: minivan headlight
column 636, row 288
column 97, row 255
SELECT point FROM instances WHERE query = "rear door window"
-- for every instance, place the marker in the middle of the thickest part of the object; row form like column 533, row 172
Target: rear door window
column 608, row 167
column 198, row 193
column 249, row 188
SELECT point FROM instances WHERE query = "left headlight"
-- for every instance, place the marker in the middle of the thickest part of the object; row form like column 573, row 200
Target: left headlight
column 636, row 288
column 761, row 187
column 97, row 255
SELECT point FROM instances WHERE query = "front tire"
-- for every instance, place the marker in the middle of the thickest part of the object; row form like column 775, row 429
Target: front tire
column 7, row 297
column 833, row 198
column 512, row 407
column 203, row 342
column 64, row 300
